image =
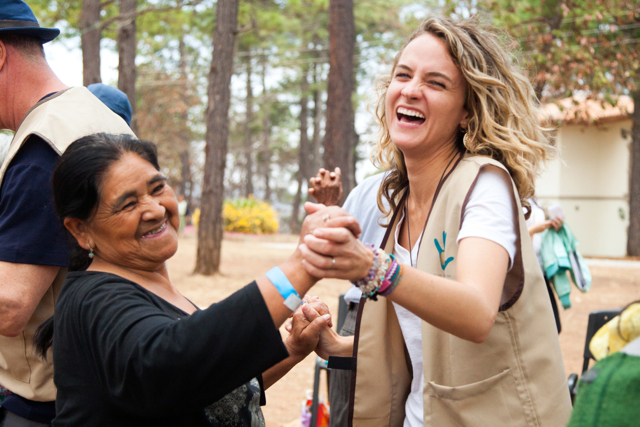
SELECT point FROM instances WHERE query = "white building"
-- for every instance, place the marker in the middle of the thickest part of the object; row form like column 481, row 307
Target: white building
column 591, row 178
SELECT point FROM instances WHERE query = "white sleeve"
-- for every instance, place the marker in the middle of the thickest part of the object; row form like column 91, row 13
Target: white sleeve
column 489, row 211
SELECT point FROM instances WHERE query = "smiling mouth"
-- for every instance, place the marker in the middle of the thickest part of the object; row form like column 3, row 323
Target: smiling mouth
column 409, row 116
column 155, row 231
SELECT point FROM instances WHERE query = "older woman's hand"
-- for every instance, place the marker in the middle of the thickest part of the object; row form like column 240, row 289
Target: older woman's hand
column 326, row 187
column 305, row 329
column 330, row 343
column 320, row 216
column 314, row 302
column 335, row 253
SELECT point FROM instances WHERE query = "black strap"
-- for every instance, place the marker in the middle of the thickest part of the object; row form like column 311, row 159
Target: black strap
column 342, row 363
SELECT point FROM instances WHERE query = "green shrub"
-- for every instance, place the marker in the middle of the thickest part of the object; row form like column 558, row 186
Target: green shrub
column 250, row 216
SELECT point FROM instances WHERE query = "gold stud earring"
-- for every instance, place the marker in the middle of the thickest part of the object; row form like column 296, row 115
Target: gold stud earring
column 91, row 254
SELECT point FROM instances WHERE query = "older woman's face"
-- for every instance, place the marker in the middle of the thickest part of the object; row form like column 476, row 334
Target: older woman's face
column 425, row 99
column 136, row 222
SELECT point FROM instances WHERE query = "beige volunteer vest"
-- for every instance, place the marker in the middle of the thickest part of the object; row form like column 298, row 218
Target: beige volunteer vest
column 514, row 378
column 59, row 120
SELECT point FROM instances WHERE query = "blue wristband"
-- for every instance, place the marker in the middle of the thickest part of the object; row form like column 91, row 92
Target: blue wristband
column 285, row 288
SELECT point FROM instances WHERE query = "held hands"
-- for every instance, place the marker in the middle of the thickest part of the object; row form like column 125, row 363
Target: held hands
column 335, row 253
column 330, row 217
column 327, row 342
column 305, row 329
column 326, row 187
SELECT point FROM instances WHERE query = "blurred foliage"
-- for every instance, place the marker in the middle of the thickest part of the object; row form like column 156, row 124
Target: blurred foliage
column 583, row 47
column 567, row 47
column 249, row 216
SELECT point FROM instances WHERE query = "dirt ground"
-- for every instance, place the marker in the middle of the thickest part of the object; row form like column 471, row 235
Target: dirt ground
column 246, row 257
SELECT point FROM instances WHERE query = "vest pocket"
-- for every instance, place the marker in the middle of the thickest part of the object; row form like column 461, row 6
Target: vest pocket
column 13, row 358
column 493, row 402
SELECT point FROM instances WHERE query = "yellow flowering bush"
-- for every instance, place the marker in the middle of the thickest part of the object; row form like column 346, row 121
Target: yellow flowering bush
column 249, row 216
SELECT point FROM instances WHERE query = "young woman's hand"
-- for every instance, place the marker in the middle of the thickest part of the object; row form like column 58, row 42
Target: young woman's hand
column 321, row 216
column 335, row 253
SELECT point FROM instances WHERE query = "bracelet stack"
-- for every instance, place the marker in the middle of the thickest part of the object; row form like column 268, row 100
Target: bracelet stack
column 383, row 277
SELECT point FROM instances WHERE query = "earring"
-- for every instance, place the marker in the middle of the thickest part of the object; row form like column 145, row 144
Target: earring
column 465, row 139
column 91, row 254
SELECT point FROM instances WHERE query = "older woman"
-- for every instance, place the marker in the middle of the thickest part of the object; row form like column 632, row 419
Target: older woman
column 462, row 332
column 128, row 348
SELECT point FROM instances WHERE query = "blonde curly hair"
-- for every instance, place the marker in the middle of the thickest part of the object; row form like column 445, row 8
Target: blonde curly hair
column 504, row 113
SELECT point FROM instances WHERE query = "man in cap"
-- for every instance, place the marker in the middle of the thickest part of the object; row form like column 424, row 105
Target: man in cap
column 113, row 98
column 46, row 117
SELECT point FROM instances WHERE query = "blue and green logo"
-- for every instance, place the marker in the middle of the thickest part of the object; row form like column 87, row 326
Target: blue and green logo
column 443, row 263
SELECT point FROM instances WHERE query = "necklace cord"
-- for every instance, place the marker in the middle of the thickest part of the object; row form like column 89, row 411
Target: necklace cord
column 406, row 209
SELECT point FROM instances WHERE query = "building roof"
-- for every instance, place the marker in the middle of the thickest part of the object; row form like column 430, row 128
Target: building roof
column 587, row 111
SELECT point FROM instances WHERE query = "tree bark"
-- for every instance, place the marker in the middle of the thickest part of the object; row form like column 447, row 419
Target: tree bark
column 316, row 140
column 186, row 185
column 265, row 151
column 633, row 237
column 303, row 151
column 217, row 138
column 127, row 49
column 185, row 174
column 90, row 41
column 248, row 164
column 340, row 115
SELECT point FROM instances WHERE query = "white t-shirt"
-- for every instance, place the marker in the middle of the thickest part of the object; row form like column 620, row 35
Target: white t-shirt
column 537, row 216
column 488, row 214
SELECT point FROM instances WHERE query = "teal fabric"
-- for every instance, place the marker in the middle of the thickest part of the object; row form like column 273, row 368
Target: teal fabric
column 556, row 262
column 608, row 394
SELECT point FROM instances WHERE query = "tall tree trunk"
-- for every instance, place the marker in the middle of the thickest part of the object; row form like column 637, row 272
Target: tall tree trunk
column 186, row 186
column 185, row 175
column 633, row 238
column 303, row 150
column 248, row 164
column 340, row 116
column 127, row 48
column 90, row 41
column 316, row 140
column 217, row 138
column 265, row 151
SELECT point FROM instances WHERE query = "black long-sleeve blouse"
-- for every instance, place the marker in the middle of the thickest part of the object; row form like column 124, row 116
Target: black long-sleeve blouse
column 125, row 357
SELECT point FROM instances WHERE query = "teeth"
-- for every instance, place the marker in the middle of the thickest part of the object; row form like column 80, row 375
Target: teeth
column 157, row 230
column 413, row 113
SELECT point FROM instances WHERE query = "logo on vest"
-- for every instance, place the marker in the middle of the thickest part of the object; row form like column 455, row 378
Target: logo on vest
column 443, row 262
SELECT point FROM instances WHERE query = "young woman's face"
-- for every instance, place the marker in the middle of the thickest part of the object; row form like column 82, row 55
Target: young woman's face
column 136, row 222
column 425, row 99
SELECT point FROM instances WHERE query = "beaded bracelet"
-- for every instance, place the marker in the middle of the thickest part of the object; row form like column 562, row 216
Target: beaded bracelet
column 394, row 282
column 383, row 277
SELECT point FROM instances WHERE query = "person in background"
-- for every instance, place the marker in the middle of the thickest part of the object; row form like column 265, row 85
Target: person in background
column 46, row 117
column 113, row 98
column 537, row 223
column 151, row 357
column 454, row 327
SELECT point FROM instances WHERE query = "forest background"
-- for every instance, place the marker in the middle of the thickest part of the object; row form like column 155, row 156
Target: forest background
column 251, row 97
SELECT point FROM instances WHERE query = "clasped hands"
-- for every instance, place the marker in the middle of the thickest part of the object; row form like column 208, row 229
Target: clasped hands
column 329, row 244
column 330, row 248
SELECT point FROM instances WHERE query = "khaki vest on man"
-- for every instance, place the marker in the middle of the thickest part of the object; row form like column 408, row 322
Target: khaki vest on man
column 59, row 120
column 514, row 378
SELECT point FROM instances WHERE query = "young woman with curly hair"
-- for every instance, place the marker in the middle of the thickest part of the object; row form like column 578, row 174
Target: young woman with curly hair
column 461, row 332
